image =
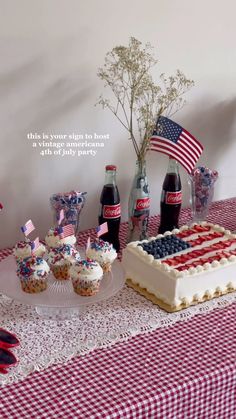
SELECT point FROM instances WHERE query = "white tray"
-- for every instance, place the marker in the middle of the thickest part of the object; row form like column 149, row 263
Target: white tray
column 59, row 299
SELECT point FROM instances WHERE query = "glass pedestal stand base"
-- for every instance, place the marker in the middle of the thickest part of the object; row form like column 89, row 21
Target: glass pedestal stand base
column 58, row 301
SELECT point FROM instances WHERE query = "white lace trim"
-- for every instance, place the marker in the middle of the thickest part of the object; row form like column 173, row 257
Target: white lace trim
column 45, row 342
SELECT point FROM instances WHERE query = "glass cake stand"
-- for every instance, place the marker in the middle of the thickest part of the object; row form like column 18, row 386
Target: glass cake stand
column 58, row 301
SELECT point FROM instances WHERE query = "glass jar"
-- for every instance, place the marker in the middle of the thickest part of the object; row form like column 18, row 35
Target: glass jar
column 202, row 181
column 72, row 204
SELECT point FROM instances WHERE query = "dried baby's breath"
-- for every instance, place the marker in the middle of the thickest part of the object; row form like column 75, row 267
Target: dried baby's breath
column 138, row 100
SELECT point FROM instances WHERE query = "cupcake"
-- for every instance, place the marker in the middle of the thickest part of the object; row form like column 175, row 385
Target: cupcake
column 61, row 258
column 103, row 252
column 53, row 239
column 33, row 272
column 23, row 250
column 86, row 277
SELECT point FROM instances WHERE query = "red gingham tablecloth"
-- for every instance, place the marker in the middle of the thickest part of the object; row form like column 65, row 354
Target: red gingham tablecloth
column 184, row 371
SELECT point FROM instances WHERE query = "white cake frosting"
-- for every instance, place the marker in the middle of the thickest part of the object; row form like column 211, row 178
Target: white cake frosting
column 32, row 267
column 63, row 254
column 101, row 251
column 23, row 250
column 176, row 281
column 86, row 269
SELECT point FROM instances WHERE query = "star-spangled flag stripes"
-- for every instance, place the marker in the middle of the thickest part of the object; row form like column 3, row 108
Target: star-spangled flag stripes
column 60, row 216
column 171, row 139
column 102, row 229
column 65, row 231
column 34, row 245
column 1, row 206
column 27, row 228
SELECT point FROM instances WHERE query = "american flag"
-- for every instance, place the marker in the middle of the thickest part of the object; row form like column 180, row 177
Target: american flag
column 1, row 206
column 34, row 245
column 102, row 229
column 171, row 139
column 66, row 231
column 27, row 228
column 60, row 216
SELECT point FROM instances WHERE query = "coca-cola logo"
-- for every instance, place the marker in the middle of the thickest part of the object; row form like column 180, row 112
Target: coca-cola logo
column 142, row 203
column 111, row 211
column 173, row 198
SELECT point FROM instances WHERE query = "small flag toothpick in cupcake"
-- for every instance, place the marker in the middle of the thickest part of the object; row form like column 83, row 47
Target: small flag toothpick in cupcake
column 66, row 231
column 28, row 228
column 60, row 217
column 34, row 245
column 88, row 243
column 102, row 229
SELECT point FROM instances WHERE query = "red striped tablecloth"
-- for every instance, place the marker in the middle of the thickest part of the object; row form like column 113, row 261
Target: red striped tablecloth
column 180, row 372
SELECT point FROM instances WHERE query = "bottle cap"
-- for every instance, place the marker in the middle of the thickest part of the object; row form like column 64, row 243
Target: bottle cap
column 111, row 167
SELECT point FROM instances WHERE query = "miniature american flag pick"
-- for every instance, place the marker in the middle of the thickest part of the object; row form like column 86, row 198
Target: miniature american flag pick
column 27, row 228
column 102, row 229
column 34, row 245
column 60, row 216
column 171, row 139
column 66, row 231
column 88, row 244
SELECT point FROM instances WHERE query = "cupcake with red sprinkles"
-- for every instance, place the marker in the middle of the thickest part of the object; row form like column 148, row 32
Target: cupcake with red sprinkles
column 86, row 277
column 60, row 259
column 103, row 252
column 33, row 273
column 23, row 250
column 53, row 239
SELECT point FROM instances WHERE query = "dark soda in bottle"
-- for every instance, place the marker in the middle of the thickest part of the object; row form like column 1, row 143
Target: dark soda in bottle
column 171, row 198
column 110, row 210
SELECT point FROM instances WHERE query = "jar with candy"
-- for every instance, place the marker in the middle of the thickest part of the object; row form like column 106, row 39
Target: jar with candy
column 71, row 203
column 202, row 181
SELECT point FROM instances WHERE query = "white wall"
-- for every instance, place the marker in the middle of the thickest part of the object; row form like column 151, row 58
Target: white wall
column 50, row 51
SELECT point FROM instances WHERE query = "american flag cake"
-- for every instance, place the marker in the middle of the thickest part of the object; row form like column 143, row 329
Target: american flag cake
column 183, row 267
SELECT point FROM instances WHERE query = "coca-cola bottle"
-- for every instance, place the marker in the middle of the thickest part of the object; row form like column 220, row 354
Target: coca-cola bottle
column 139, row 204
column 171, row 198
column 110, row 210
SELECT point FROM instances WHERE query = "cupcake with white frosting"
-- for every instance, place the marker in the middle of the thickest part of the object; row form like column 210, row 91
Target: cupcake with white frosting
column 23, row 250
column 86, row 277
column 103, row 252
column 53, row 239
column 33, row 272
column 60, row 259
